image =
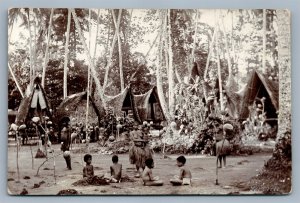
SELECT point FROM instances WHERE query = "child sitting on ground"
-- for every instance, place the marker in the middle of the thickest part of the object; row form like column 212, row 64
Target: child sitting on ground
column 88, row 170
column 147, row 176
column 185, row 175
column 115, row 170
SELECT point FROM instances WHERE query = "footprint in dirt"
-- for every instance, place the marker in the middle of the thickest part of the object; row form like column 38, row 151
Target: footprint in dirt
column 199, row 168
column 242, row 162
column 97, row 168
column 117, row 187
column 130, row 169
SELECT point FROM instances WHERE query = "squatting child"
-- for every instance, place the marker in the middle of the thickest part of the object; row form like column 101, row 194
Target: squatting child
column 88, row 170
column 185, row 175
column 115, row 170
column 147, row 176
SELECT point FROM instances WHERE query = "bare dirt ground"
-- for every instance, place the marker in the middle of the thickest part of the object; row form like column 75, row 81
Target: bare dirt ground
column 232, row 180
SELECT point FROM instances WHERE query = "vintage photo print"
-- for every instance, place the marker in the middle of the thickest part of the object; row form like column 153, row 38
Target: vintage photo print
column 149, row 102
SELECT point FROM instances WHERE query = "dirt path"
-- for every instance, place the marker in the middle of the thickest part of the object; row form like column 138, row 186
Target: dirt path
column 232, row 179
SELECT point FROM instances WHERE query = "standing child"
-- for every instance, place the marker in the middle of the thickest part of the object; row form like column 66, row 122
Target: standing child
column 88, row 170
column 185, row 175
column 147, row 176
column 66, row 141
column 115, row 170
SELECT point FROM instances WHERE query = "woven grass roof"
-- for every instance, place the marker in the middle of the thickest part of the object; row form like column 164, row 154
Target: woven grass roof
column 142, row 104
column 259, row 86
column 122, row 102
column 69, row 105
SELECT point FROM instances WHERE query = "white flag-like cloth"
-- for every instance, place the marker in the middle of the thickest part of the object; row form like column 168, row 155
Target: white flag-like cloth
column 38, row 97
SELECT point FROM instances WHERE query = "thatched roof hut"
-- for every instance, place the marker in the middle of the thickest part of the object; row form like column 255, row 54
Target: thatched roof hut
column 69, row 106
column 148, row 106
column 258, row 86
column 34, row 104
column 123, row 103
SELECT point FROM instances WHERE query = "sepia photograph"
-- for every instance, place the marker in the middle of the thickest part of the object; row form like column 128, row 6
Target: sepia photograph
column 149, row 101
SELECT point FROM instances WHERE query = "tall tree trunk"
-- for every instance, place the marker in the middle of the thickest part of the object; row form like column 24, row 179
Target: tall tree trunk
column 120, row 48
column 107, row 41
column 210, row 50
column 96, row 38
column 147, row 54
column 34, row 45
column 192, row 59
column 227, row 53
column 264, row 41
column 65, row 90
column 158, row 71
column 11, row 29
column 46, row 59
column 30, row 51
column 284, row 62
column 171, row 75
column 88, row 85
column 110, row 56
column 15, row 79
column 87, row 52
column 94, row 54
column 219, row 71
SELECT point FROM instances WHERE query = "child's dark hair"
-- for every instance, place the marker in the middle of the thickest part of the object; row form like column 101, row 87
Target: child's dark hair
column 115, row 159
column 87, row 157
column 181, row 159
column 149, row 163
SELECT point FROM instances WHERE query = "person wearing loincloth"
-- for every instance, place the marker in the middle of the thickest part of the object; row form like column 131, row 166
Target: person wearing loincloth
column 66, row 141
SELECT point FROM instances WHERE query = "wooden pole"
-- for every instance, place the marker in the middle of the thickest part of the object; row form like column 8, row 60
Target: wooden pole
column 46, row 59
column 18, row 144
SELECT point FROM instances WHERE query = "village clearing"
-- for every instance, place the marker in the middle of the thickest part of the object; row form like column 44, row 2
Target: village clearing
column 234, row 179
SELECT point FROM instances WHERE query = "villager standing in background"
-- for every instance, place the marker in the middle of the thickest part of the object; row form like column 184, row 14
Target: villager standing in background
column 66, row 141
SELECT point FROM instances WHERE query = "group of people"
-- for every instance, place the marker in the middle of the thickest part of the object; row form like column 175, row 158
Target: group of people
column 140, row 154
column 115, row 176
